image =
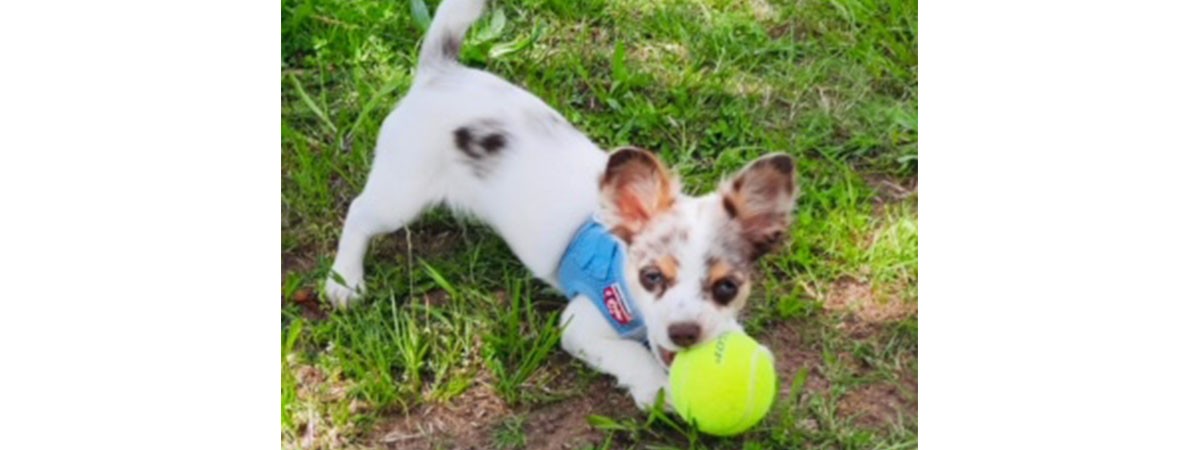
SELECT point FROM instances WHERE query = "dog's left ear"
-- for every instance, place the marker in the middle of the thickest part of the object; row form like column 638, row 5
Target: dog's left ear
column 635, row 187
column 760, row 199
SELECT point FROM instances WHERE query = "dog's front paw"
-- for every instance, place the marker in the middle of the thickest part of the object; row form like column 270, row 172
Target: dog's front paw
column 645, row 393
column 342, row 294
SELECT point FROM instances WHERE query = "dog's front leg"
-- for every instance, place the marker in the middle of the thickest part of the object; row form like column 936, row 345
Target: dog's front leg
column 588, row 337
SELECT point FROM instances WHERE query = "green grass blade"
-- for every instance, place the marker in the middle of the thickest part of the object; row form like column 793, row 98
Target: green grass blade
column 439, row 280
column 500, row 50
column 312, row 106
column 798, row 383
column 420, row 13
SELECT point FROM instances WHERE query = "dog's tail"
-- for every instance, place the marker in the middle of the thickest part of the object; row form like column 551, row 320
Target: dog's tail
column 445, row 36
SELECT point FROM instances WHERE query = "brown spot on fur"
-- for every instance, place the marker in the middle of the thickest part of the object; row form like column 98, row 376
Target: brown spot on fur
column 670, row 269
column 730, row 207
column 622, row 232
column 719, row 269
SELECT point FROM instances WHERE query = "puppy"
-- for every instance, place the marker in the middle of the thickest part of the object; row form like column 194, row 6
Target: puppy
column 648, row 269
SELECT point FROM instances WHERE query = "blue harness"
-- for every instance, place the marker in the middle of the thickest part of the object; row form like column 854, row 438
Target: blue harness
column 594, row 266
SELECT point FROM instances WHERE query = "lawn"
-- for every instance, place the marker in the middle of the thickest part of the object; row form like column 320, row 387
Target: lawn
column 455, row 345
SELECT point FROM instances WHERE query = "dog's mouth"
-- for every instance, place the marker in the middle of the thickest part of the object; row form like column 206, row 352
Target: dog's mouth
column 667, row 356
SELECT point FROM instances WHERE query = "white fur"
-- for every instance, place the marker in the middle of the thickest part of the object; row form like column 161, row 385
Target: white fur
column 536, row 192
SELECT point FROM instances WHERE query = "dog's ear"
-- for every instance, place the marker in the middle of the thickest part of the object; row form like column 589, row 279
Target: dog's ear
column 635, row 187
column 760, row 199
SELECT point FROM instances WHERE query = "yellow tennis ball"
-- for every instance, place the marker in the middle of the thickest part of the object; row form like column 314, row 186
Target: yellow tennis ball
column 724, row 386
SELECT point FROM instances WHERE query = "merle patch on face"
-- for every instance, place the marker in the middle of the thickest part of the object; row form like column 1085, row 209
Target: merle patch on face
column 481, row 143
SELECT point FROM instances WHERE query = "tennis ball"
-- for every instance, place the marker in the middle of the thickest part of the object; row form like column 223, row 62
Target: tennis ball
column 724, row 386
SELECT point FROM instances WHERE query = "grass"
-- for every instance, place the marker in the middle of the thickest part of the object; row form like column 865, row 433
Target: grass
column 709, row 84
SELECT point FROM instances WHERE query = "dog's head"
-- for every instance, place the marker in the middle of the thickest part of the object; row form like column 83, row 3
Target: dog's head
column 690, row 259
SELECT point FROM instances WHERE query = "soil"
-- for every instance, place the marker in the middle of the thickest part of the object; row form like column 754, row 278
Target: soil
column 429, row 238
column 465, row 424
column 863, row 313
column 891, row 190
column 469, row 422
column 876, row 405
column 564, row 424
column 879, row 405
column 793, row 354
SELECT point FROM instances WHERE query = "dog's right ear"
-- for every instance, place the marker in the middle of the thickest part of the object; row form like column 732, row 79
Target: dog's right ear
column 760, row 200
column 635, row 187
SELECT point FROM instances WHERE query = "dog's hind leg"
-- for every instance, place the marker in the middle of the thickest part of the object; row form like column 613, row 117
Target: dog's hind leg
column 394, row 195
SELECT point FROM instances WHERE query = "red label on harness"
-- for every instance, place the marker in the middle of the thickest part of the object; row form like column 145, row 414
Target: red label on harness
column 616, row 305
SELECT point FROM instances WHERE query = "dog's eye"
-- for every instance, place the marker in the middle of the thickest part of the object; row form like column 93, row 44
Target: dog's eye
column 724, row 290
column 651, row 278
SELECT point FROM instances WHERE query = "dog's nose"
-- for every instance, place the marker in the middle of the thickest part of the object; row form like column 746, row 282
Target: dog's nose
column 684, row 334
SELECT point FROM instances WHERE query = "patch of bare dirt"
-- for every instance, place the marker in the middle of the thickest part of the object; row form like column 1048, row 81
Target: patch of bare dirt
column 879, row 405
column 469, row 421
column 564, row 425
column 793, row 354
column 296, row 262
column 464, row 423
column 864, row 312
column 428, row 239
column 892, row 190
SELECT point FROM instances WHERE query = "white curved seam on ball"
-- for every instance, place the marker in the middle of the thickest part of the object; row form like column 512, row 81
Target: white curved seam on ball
column 750, row 397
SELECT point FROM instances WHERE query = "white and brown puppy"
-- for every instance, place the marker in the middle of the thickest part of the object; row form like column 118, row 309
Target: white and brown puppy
column 470, row 140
